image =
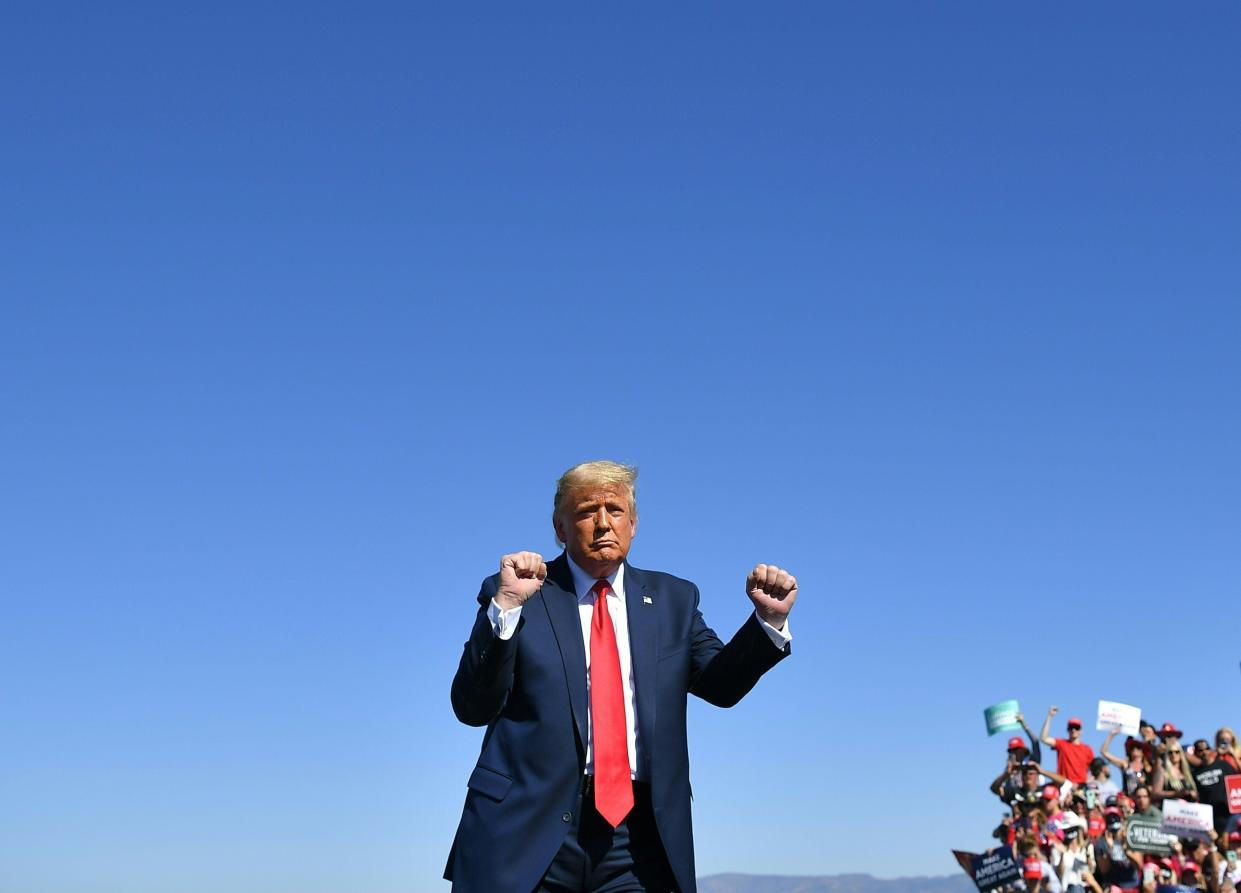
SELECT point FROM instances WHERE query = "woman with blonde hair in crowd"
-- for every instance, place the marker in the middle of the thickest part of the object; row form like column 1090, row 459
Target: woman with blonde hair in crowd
column 1226, row 745
column 1230, row 755
column 1173, row 779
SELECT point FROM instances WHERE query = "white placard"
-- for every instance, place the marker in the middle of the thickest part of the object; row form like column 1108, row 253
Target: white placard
column 1112, row 714
column 1187, row 819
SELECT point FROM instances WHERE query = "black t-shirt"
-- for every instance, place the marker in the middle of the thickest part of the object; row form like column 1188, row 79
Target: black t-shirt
column 1210, row 779
column 1211, row 789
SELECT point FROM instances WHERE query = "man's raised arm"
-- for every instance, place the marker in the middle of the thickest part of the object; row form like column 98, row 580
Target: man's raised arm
column 723, row 674
column 485, row 673
column 1046, row 733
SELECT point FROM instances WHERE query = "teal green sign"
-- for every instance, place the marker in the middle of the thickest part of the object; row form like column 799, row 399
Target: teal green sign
column 1002, row 717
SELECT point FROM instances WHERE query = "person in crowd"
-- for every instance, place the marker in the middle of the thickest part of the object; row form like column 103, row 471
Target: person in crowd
column 1166, row 731
column 1137, row 765
column 1031, row 822
column 1173, row 777
column 1147, row 733
column 1018, row 755
column 1037, row 871
column 1191, row 875
column 1209, row 777
column 1229, row 868
column 1074, row 862
column 1079, row 814
column 1226, row 747
column 1204, row 855
column 1142, row 805
column 1116, row 866
column 1034, row 752
column 1057, row 818
column 1101, row 781
column 1029, row 794
column 1073, row 756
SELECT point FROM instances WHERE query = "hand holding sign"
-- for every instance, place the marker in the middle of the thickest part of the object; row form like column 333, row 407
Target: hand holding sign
column 1113, row 715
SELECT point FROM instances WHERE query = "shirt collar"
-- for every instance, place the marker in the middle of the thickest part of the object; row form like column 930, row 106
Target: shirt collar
column 584, row 582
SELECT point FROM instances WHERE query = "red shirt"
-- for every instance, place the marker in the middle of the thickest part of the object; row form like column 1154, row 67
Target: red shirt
column 1073, row 760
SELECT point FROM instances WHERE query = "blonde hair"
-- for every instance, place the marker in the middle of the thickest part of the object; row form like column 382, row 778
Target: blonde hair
column 598, row 473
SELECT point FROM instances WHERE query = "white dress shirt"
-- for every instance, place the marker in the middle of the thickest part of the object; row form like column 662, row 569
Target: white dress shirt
column 504, row 624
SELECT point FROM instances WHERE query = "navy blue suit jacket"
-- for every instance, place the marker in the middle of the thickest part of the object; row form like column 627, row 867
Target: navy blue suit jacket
column 530, row 693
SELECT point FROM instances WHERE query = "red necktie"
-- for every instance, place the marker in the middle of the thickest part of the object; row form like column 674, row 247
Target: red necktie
column 613, row 788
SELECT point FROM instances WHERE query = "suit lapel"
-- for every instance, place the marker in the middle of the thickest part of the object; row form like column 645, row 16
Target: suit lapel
column 560, row 598
column 640, row 609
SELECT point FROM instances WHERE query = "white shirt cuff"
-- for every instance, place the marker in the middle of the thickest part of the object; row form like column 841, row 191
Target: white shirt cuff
column 503, row 623
column 779, row 637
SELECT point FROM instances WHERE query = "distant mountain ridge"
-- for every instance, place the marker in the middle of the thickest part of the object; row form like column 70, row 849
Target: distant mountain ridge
column 838, row 883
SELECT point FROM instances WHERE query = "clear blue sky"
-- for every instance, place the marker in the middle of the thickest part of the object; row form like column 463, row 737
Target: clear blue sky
column 305, row 307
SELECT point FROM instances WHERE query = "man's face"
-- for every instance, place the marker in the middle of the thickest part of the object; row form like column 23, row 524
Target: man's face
column 1204, row 751
column 597, row 525
column 1075, row 732
column 1030, row 778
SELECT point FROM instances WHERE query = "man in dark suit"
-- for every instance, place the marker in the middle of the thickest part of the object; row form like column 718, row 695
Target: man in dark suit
column 580, row 670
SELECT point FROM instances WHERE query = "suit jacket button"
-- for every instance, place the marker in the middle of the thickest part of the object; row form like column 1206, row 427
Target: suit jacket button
column 567, row 817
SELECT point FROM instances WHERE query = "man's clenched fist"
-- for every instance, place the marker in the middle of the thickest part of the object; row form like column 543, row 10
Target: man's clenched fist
column 773, row 592
column 521, row 576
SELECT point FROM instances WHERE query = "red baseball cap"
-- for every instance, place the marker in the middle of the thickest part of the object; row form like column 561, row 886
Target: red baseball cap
column 1074, row 721
column 1167, row 729
column 1016, row 743
column 1190, row 865
column 1051, row 792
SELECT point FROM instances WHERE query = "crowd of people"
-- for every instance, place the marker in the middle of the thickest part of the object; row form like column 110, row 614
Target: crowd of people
column 1071, row 828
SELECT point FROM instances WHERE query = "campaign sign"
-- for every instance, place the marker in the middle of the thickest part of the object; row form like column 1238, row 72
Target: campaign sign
column 1233, row 785
column 1002, row 717
column 1184, row 819
column 995, row 869
column 1143, row 835
column 1113, row 715
column 1175, row 888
